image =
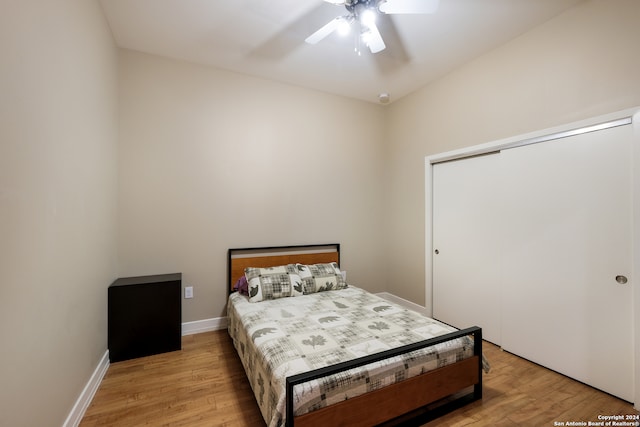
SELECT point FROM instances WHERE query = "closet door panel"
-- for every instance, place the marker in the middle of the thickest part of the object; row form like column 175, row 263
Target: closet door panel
column 467, row 239
column 567, row 230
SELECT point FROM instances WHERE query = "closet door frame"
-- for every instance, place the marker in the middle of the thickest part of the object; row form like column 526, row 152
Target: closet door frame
column 619, row 118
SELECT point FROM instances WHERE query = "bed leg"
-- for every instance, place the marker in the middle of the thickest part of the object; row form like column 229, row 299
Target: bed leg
column 477, row 351
column 288, row 403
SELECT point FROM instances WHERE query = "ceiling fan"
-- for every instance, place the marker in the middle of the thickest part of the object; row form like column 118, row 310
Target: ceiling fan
column 363, row 14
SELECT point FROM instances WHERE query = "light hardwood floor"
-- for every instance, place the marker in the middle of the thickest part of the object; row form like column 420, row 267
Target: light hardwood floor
column 205, row 385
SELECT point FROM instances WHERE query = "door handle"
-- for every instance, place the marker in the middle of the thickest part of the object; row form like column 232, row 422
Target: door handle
column 437, row 252
column 621, row 279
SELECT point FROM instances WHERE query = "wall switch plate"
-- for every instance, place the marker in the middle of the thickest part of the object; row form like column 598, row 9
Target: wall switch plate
column 188, row 292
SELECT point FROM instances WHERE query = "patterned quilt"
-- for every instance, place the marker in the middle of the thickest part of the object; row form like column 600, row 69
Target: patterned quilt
column 282, row 337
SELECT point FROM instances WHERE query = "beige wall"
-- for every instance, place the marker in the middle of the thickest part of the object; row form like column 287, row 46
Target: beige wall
column 211, row 159
column 58, row 171
column 581, row 64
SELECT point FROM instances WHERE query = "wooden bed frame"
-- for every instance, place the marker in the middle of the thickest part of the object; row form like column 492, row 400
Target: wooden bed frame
column 413, row 401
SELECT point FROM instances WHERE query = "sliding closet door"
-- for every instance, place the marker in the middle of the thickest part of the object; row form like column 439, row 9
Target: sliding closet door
column 567, row 253
column 467, row 243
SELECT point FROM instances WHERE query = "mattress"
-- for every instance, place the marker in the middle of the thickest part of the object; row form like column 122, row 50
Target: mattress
column 282, row 337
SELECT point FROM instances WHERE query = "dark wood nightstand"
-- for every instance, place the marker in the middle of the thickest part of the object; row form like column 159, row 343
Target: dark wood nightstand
column 145, row 316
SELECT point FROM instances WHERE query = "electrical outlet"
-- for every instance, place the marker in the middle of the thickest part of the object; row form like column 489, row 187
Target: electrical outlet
column 188, row 292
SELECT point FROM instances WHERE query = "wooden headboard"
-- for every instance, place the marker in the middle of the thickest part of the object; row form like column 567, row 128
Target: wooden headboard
column 239, row 259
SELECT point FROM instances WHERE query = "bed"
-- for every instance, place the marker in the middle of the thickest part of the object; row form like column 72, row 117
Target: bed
column 320, row 352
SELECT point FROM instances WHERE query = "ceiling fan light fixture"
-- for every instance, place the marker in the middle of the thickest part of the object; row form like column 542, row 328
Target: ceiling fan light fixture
column 368, row 17
column 344, row 27
column 365, row 13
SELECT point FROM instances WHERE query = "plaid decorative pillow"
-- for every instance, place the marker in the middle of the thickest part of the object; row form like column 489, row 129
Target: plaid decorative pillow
column 273, row 282
column 320, row 277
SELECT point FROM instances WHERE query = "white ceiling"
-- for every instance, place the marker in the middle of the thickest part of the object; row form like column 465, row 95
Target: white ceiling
column 265, row 38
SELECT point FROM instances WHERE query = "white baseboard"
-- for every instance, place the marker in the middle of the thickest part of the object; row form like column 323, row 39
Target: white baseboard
column 405, row 303
column 205, row 325
column 81, row 405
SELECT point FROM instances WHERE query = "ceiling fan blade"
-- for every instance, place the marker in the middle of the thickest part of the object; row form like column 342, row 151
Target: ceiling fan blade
column 323, row 32
column 395, row 53
column 409, row 6
column 373, row 39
